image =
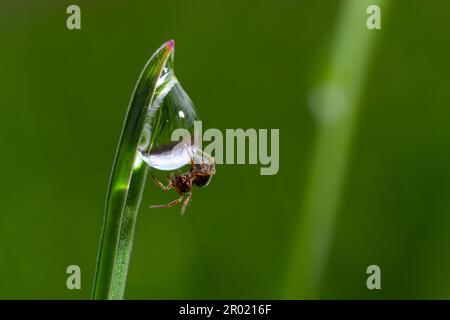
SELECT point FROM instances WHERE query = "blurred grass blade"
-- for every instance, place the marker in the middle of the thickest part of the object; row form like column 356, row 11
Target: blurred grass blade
column 127, row 184
column 335, row 106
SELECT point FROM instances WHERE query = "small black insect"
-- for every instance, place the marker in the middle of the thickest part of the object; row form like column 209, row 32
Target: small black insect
column 200, row 174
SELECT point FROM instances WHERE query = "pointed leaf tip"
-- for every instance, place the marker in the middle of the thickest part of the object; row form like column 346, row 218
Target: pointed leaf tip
column 170, row 44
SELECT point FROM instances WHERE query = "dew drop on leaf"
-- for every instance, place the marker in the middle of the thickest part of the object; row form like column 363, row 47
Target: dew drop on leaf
column 171, row 109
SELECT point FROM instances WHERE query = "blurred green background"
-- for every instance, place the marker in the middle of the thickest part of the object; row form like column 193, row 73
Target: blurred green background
column 245, row 64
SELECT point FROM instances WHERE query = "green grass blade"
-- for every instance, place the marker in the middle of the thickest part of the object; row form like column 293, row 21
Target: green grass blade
column 126, row 185
column 336, row 104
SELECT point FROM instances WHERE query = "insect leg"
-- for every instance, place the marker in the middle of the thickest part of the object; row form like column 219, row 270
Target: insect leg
column 190, row 154
column 161, row 185
column 185, row 203
column 169, row 205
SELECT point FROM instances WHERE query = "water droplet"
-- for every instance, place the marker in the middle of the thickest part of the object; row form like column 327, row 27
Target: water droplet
column 171, row 109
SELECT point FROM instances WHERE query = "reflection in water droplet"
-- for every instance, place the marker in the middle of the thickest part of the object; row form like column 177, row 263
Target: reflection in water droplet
column 171, row 109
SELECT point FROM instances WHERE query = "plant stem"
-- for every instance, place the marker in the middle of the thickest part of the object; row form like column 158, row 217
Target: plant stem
column 126, row 186
column 335, row 104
